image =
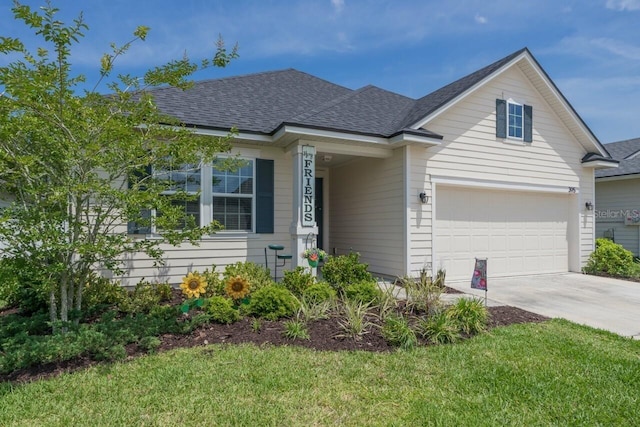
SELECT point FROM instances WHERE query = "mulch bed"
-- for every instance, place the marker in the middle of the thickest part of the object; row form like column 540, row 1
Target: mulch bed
column 325, row 335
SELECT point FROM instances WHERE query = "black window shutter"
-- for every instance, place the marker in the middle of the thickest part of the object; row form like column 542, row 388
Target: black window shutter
column 528, row 123
column 501, row 118
column 133, row 227
column 264, row 196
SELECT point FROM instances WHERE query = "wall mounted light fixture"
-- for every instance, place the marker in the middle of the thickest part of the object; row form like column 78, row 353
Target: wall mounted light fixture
column 589, row 206
column 423, row 198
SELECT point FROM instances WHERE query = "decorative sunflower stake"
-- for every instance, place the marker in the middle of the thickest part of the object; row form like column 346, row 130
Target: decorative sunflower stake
column 237, row 288
column 193, row 287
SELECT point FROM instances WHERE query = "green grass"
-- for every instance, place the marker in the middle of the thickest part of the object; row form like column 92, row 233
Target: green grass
column 555, row 373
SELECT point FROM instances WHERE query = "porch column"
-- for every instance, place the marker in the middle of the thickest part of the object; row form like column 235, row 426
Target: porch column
column 304, row 229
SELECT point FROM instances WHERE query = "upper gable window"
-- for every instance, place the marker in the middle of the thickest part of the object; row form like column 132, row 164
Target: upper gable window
column 515, row 126
column 514, row 120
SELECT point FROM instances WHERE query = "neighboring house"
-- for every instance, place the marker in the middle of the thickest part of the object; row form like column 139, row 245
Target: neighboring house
column 497, row 164
column 618, row 196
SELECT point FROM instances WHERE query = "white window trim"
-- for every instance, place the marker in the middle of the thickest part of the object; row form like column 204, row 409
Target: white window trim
column 521, row 105
column 206, row 202
column 252, row 196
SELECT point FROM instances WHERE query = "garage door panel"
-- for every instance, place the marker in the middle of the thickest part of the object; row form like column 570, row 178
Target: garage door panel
column 519, row 232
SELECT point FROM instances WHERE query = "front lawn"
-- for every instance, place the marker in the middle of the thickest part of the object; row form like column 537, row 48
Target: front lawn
column 552, row 373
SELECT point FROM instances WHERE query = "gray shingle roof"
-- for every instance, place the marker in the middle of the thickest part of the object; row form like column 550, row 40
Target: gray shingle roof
column 621, row 151
column 252, row 103
column 430, row 103
column 264, row 102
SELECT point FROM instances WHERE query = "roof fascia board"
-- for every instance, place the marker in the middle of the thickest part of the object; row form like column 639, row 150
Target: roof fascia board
column 618, row 177
column 466, row 93
column 223, row 134
column 303, row 131
column 601, row 164
column 406, row 139
column 346, row 149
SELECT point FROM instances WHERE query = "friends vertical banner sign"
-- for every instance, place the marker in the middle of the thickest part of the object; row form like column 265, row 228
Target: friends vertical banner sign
column 308, row 185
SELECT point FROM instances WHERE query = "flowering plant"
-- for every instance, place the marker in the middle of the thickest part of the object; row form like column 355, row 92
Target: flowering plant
column 314, row 254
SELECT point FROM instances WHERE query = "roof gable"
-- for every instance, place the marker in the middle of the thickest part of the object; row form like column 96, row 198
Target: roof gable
column 625, row 152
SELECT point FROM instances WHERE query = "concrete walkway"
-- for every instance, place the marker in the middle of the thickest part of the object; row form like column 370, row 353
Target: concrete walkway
column 599, row 302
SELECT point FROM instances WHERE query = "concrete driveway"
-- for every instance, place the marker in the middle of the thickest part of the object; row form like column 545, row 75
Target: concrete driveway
column 599, row 302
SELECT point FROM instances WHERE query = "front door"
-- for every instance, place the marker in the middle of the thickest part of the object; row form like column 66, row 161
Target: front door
column 319, row 221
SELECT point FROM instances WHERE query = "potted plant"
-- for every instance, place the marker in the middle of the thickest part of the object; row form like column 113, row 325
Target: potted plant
column 314, row 256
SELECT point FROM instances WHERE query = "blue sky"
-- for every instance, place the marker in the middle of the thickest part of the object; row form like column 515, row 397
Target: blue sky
column 590, row 48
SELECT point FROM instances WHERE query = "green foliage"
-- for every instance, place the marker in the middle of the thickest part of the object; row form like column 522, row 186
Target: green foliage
column 367, row 292
column 273, row 302
column 150, row 344
column 298, row 280
column 221, row 310
column 439, row 328
column 423, row 293
column 256, row 325
column 21, row 286
column 397, row 332
column 354, row 321
column 257, row 275
column 73, row 162
column 296, row 329
column 470, row 315
column 319, row 292
column 342, row 270
column 215, row 284
column 102, row 291
column 144, row 297
column 612, row 258
column 310, row 311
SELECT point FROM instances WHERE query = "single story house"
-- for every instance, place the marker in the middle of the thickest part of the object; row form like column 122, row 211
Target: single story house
column 618, row 196
column 495, row 165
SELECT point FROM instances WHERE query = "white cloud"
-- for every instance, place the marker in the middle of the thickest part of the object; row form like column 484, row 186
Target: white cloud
column 594, row 48
column 480, row 19
column 338, row 5
column 621, row 5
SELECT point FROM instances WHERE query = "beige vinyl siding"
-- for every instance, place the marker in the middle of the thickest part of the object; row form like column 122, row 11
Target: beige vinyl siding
column 366, row 214
column 420, row 215
column 470, row 151
column 225, row 247
column 613, row 200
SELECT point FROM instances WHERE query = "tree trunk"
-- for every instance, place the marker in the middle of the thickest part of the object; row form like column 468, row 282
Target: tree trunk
column 53, row 309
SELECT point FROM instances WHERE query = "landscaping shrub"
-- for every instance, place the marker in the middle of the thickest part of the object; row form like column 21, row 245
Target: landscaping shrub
column 222, row 310
column 342, row 270
column 150, row 344
column 143, row 298
column 611, row 258
column 319, row 292
column 397, row 332
column 297, row 280
column 273, row 302
column 423, row 292
column 438, row 328
column 470, row 315
column 215, row 284
column 296, row 329
column 367, row 292
column 257, row 275
column 21, row 287
column 102, row 291
column 354, row 320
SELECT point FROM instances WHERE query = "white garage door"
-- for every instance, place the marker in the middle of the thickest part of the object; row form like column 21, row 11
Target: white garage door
column 519, row 232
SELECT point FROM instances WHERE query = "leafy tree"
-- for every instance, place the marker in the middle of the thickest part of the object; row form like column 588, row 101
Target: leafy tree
column 74, row 162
